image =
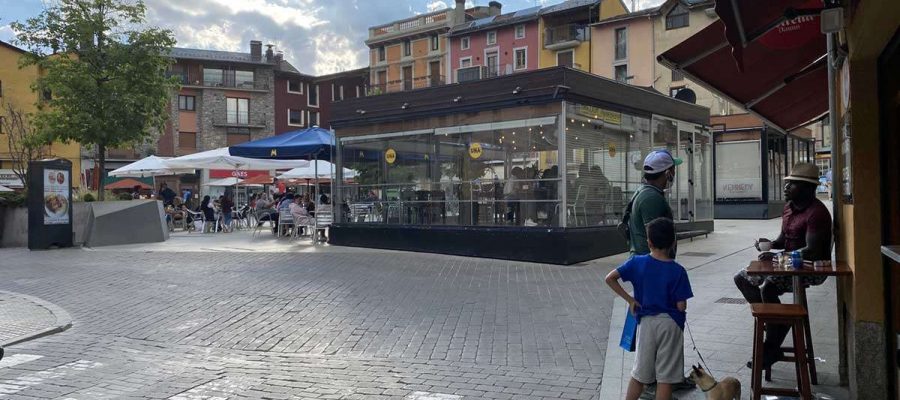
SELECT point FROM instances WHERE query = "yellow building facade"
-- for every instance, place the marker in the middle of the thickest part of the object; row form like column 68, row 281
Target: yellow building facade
column 15, row 89
column 566, row 33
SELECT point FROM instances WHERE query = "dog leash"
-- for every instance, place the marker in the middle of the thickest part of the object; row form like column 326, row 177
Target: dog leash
column 694, row 344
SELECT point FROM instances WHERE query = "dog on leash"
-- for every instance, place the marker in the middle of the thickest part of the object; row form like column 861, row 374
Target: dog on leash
column 728, row 389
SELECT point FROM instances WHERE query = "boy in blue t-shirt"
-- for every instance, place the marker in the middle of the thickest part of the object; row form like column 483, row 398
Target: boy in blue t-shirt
column 661, row 290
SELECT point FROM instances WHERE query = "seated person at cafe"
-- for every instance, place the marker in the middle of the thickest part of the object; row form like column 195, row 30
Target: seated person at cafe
column 209, row 214
column 805, row 227
column 301, row 213
column 168, row 195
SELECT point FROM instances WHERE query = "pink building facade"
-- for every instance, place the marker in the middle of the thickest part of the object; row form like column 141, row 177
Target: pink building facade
column 494, row 46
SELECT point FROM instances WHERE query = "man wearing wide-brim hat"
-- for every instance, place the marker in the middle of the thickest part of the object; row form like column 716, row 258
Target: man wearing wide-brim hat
column 805, row 227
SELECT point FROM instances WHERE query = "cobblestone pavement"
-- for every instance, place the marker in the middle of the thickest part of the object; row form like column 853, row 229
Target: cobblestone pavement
column 362, row 324
column 24, row 317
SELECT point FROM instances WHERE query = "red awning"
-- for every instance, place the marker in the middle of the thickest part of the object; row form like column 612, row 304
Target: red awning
column 127, row 183
column 779, row 74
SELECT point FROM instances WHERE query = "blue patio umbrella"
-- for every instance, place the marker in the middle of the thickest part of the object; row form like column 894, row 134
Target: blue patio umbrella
column 310, row 143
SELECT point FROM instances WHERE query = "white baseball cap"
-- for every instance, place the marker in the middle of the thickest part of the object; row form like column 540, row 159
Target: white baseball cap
column 659, row 160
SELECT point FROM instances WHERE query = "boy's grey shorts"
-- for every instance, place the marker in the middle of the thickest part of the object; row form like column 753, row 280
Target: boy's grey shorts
column 659, row 355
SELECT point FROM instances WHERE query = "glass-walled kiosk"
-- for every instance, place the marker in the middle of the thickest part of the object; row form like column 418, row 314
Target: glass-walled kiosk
column 521, row 167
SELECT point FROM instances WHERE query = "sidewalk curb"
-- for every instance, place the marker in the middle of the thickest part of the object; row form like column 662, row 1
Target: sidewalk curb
column 63, row 319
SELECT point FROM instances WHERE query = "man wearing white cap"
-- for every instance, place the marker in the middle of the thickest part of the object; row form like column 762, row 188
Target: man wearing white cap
column 649, row 202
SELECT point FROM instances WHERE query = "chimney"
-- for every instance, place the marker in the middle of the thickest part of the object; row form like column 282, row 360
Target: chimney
column 494, row 8
column 255, row 50
column 279, row 56
column 459, row 13
column 270, row 55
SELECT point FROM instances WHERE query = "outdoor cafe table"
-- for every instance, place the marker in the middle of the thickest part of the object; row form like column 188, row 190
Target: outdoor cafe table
column 767, row 268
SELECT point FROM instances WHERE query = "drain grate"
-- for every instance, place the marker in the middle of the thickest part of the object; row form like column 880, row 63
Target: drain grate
column 696, row 254
column 731, row 300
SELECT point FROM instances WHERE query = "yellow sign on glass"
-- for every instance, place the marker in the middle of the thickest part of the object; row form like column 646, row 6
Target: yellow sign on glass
column 475, row 151
column 597, row 113
column 390, row 156
column 612, row 150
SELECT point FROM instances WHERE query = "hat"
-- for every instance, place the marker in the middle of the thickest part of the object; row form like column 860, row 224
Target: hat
column 804, row 172
column 659, row 160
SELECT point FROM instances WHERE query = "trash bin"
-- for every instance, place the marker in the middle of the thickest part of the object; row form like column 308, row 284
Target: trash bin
column 49, row 204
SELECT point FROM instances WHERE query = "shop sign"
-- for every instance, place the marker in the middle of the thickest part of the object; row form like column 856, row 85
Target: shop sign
column 746, row 188
column 390, row 156
column 9, row 179
column 475, row 151
column 241, row 174
column 796, row 32
column 56, row 197
column 607, row 116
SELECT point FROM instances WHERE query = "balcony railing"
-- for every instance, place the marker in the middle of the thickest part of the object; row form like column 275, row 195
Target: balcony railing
column 482, row 72
column 227, row 82
column 240, row 121
column 406, row 84
column 409, row 24
column 566, row 34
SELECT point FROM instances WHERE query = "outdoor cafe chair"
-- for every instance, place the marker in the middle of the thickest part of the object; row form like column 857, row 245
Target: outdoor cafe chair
column 258, row 223
column 285, row 222
column 197, row 218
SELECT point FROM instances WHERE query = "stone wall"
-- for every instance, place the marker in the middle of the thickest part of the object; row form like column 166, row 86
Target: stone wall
column 212, row 111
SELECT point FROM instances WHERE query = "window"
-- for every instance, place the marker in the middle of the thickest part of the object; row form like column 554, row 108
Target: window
column 521, row 58
column 621, row 44
column 313, row 118
column 357, row 91
column 243, row 79
column 237, row 111
column 464, row 43
column 565, row 58
column 1, row 88
column 295, row 86
column 677, row 75
column 407, row 48
column 295, row 117
column 333, row 93
column 622, row 73
column 679, row 17
column 435, row 43
column 313, row 96
column 1, row 125
column 187, row 141
column 213, row 77
column 186, row 103
column 382, row 55
column 492, row 37
column 465, row 62
column 47, row 95
column 520, row 31
column 341, row 92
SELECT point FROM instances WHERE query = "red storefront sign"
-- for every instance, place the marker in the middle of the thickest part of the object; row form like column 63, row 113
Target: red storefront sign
column 228, row 173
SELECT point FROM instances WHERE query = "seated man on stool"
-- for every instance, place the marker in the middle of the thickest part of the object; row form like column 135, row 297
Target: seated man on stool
column 805, row 226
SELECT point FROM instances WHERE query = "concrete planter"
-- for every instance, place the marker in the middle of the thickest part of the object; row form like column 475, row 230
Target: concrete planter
column 14, row 224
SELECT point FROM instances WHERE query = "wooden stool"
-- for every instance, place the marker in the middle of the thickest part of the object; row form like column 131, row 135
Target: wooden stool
column 784, row 314
column 791, row 352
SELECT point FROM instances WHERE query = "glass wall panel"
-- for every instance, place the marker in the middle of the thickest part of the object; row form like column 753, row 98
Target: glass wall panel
column 777, row 158
column 503, row 172
column 605, row 151
column 738, row 170
column 703, row 180
column 668, row 135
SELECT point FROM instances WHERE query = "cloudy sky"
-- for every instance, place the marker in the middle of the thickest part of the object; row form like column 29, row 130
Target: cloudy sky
column 317, row 36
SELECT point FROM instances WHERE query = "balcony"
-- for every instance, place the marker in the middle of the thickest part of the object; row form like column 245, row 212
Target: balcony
column 478, row 72
column 240, row 121
column 406, row 84
column 409, row 26
column 227, row 82
column 566, row 36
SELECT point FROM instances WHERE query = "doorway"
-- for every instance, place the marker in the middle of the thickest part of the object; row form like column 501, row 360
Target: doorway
column 407, row 78
column 889, row 101
column 435, row 68
column 492, row 60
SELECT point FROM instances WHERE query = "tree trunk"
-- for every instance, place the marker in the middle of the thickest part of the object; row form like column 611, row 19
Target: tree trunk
column 101, row 192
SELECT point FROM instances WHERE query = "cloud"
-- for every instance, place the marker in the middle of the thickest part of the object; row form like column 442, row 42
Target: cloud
column 436, row 5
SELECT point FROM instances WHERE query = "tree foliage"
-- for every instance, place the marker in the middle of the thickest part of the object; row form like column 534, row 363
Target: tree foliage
column 103, row 72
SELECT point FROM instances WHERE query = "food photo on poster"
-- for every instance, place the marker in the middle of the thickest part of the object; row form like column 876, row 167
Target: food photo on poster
column 56, row 197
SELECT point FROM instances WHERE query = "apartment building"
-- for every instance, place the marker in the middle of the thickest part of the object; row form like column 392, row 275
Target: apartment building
column 15, row 89
column 499, row 44
column 302, row 100
column 339, row 87
column 566, row 33
column 412, row 53
column 625, row 48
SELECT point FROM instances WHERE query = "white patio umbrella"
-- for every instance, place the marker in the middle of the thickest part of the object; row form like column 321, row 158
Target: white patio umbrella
column 325, row 171
column 221, row 159
column 230, row 181
column 5, row 189
column 149, row 166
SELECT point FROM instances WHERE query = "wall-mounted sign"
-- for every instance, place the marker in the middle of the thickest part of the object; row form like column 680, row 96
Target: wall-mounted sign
column 243, row 174
column 796, row 32
column 390, row 156
column 475, row 151
column 9, row 179
column 611, row 117
column 56, row 197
